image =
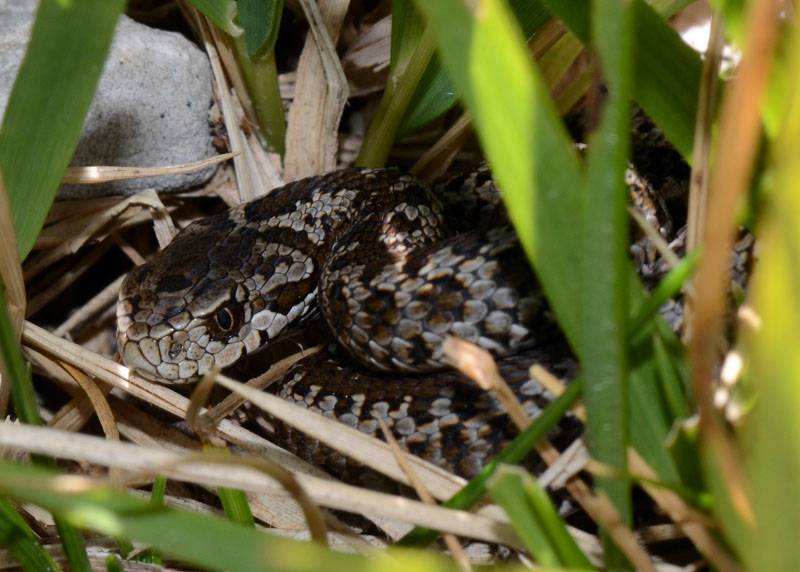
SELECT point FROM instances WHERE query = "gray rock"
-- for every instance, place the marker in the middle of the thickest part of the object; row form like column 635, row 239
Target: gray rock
column 150, row 108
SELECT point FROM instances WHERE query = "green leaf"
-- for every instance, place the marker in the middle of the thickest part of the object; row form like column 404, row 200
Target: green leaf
column 72, row 541
column 407, row 30
column 261, row 77
column 604, row 261
column 17, row 375
column 435, row 93
column 668, row 8
column 506, row 488
column 47, row 106
column 667, row 71
column 200, row 540
column 411, row 52
column 221, row 12
column 15, row 371
column 157, row 492
column 113, row 564
column 669, row 287
column 535, row 519
column 261, row 20
column 21, row 542
column 235, row 504
column 399, row 89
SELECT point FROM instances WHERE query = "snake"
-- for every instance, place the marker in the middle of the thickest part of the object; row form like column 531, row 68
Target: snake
column 392, row 268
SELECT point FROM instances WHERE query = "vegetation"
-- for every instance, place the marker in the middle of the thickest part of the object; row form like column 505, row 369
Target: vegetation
column 726, row 478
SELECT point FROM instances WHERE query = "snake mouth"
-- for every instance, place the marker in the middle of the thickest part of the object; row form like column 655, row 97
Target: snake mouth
column 136, row 358
column 161, row 360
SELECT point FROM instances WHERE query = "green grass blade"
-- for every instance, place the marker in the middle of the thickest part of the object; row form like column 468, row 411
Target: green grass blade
column 407, row 30
column 668, row 8
column 435, row 93
column 151, row 556
column 667, row 70
column 410, row 56
column 126, row 547
column 158, row 490
column 199, row 540
column 535, row 520
column 400, row 87
column 221, row 12
column 669, row 287
column 261, row 20
column 506, row 488
column 604, row 261
column 261, row 77
column 14, row 370
column 561, row 540
column 113, row 564
column 235, row 504
column 74, row 548
column 47, row 106
column 17, row 375
column 21, row 542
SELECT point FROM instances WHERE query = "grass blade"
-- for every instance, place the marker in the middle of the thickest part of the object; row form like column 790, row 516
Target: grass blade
column 21, row 542
column 667, row 70
column 16, row 374
column 383, row 129
column 220, row 12
column 156, row 499
column 506, row 488
column 261, row 20
column 72, row 541
column 261, row 77
column 604, row 261
column 200, row 540
column 435, row 94
column 525, row 141
column 47, row 106
column 536, row 520
column 234, row 503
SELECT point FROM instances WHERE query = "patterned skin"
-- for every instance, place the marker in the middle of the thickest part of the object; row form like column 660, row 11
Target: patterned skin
column 383, row 261
column 391, row 286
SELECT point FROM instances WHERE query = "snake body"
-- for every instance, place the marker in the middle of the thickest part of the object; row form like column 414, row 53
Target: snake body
column 375, row 248
column 392, row 268
column 382, row 259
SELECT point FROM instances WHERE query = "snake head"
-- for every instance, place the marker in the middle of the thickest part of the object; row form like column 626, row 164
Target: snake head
column 177, row 321
column 219, row 291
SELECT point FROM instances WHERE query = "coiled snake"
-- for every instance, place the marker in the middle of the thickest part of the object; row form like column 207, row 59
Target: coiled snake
column 378, row 255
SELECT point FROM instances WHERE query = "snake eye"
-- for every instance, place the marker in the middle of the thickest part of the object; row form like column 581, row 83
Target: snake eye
column 224, row 319
column 226, row 322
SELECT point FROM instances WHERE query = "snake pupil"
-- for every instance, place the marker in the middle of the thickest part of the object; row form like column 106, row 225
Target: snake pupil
column 224, row 319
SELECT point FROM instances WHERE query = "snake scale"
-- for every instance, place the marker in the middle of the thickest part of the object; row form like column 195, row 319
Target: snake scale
column 392, row 270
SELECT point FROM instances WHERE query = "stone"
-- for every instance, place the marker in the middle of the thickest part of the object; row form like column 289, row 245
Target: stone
column 151, row 107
